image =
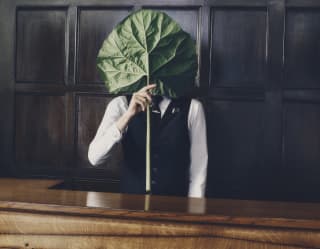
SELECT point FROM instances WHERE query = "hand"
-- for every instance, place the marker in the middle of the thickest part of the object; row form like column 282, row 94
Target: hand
column 140, row 100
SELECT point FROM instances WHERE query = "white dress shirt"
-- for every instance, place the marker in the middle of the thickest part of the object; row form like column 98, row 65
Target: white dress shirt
column 108, row 135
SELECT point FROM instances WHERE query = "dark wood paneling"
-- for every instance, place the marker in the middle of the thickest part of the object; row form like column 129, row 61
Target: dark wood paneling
column 40, row 41
column 303, row 4
column 90, row 113
column 273, row 103
column 238, row 3
column 204, row 50
column 238, row 47
column 6, row 86
column 40, row 139
column 94, row 26
column 72, row 46
column 301, row 145
column 302, row 48
column 235, row 140
column 241, row 43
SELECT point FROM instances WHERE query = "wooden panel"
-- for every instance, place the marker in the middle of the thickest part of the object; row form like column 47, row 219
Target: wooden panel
column 238, row 47
column 94, row 26
column 302, row 150
column 90, row 113
column 40, row 38
column 40, row 140
column 302, row 48
column 235, row 140
column 188, row 18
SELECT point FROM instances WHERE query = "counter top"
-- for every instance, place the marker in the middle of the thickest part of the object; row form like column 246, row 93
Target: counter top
column 33, row 195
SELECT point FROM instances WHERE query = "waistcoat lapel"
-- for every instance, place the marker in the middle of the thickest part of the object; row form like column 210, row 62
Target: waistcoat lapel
column 172, row 110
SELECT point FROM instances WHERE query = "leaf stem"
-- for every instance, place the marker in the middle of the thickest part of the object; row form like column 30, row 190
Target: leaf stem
column 148, row 187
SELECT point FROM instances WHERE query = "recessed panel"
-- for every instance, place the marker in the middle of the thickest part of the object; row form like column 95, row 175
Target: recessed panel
column 40, row 41
column 40, row 139
column 302, row 48
column 235, row 144
column 238, row 47
column 301, row 143
column 94, row 27
column 91, row 110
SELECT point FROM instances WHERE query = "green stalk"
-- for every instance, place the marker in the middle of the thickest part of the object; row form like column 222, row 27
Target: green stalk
column 148, row 187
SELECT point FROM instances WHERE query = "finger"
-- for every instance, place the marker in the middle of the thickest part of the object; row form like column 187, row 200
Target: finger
column 139, row 95
column 140, row 104
column 145, row 95
column 148, row 87
column 143, row 100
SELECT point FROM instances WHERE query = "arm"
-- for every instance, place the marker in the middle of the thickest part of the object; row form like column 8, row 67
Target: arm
column 198, row 150
column 108, row 134
column 114, row 123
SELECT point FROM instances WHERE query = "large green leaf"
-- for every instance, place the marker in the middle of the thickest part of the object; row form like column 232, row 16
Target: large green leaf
column 148, row 44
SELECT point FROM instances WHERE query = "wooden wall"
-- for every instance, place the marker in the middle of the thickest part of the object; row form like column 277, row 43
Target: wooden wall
column 259, row 81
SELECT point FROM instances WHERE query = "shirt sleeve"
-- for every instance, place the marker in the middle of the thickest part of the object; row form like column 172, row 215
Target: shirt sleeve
column 198, row 149
column 107, row 134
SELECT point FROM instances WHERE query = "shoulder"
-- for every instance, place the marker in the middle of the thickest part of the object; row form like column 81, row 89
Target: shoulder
column 196, row 106
column 196, row 112
column 118, row 102
column 116, row 106
column 196, row 103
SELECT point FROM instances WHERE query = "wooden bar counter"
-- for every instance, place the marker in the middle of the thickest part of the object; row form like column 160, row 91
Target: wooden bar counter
column 33, row 216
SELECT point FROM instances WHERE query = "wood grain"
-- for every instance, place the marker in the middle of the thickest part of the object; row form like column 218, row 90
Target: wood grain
column 32, row 216
column 82, row 242
column 40, row 45
column 61, row 225
column 32, row 196
column 40, row 140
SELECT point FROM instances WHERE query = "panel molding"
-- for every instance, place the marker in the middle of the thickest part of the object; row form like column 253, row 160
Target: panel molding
column 238, row 3
column 302, row 3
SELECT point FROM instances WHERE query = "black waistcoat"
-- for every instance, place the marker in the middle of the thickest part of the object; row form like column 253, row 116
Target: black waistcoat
column 170, row 152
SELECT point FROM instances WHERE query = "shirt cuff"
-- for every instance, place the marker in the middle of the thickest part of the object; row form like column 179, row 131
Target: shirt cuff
column 196, row 192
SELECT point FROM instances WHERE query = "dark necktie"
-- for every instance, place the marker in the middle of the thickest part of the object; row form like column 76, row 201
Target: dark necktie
column 155, row 113
column 155, row 104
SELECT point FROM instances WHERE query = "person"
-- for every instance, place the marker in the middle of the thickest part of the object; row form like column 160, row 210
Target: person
column 179, row 154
